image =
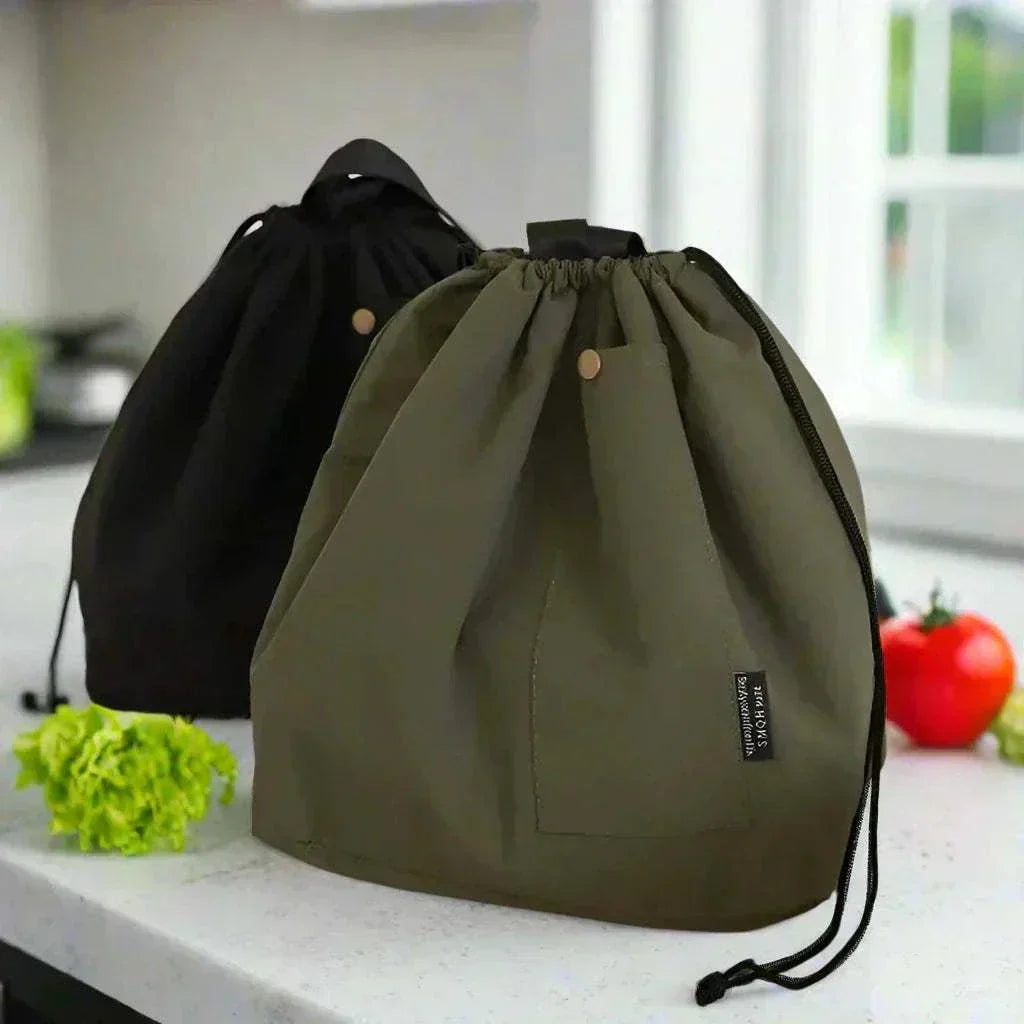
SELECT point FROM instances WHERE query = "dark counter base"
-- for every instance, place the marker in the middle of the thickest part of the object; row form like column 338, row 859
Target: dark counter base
column 36, row 993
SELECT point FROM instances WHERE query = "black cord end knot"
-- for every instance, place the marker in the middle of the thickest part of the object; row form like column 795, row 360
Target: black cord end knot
column 32, row 702
column 711, row 988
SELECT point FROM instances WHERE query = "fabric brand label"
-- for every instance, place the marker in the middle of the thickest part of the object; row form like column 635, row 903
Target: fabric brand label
column 755, row 716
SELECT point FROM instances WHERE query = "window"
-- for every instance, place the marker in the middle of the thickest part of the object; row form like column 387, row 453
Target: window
column 859, row 166
column 954, row 296
column 933, row 393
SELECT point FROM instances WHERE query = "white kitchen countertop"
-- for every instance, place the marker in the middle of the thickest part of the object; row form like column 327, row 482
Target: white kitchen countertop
column 234, row 931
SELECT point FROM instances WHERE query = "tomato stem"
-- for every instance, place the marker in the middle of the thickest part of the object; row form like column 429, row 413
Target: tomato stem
column 938, row 613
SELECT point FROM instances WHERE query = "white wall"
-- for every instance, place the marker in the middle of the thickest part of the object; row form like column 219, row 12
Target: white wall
column 170, row 122
column 24, row 257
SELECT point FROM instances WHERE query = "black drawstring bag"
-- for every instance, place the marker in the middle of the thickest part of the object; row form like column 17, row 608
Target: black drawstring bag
column 189, row 515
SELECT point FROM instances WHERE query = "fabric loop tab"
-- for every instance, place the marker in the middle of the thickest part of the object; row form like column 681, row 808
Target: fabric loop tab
column 368, row 158
column 578, row 240
column 371, row 159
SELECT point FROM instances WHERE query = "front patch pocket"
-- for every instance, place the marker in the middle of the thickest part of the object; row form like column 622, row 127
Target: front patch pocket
column 632, row 705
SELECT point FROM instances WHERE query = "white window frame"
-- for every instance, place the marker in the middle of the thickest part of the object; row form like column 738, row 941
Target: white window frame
column 773, row 157
column 927, row 468
column 679, row 141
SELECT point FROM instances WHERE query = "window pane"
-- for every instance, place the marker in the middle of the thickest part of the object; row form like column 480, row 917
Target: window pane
column 972, row 50
column 954, row 310
column 986, row 85
column 901, row 66
column 894, row 356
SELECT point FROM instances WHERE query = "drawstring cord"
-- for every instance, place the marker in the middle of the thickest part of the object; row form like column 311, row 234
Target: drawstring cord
column 712, row 987
column 52, row 700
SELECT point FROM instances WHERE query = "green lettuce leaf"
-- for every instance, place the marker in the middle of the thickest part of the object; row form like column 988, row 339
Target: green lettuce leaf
column 1008, row 728
column 129, row 783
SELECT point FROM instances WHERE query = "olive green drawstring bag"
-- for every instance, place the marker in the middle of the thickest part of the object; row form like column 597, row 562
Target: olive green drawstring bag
column 580, row 614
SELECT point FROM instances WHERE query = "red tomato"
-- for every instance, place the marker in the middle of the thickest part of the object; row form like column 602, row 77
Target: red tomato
column 946, row 675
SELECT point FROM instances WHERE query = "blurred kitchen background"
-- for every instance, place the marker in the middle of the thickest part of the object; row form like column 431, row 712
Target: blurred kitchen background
column 857, row 164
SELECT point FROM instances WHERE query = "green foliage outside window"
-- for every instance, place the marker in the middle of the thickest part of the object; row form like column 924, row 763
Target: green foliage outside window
column 986, row 87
